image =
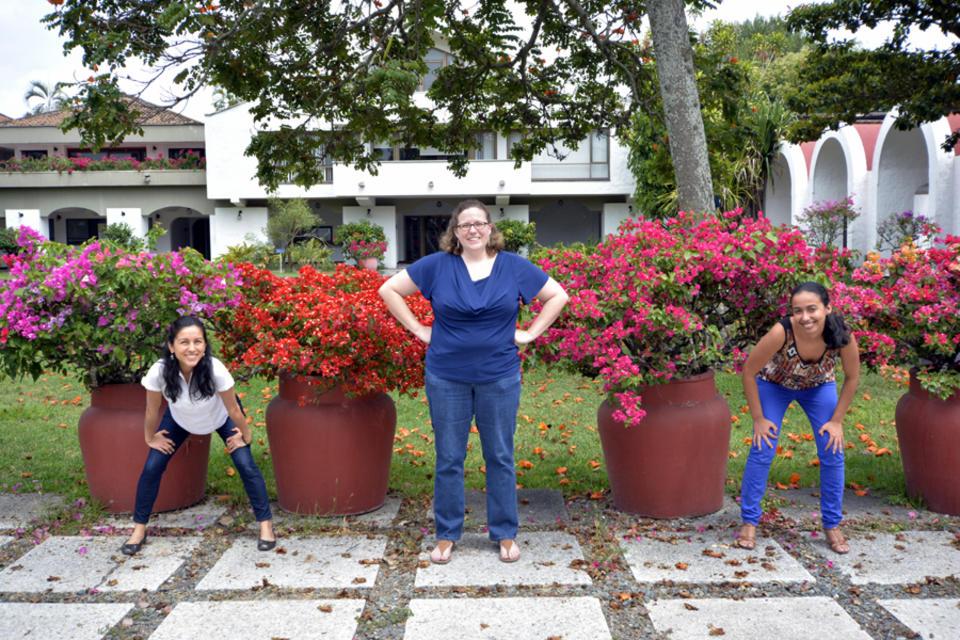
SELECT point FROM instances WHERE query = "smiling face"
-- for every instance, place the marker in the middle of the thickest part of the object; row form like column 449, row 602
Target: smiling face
column 809, row 313
column 188, row 347
column 473, row 229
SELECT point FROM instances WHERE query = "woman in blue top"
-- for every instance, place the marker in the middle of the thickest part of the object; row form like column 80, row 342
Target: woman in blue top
column 473, row 364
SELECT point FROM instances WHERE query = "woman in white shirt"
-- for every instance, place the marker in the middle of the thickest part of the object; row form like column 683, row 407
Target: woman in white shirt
column 200, row 400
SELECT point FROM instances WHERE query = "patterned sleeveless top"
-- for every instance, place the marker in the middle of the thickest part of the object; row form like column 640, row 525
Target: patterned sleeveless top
column 789, row 370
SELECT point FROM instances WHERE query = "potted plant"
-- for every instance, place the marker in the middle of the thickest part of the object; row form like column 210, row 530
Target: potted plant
column 653, row 311
column 336, row 350
column 905, row 310
column 364, row 242
column 99, row 313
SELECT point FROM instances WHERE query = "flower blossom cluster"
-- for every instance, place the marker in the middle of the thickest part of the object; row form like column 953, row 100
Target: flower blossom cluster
column 665, row 299
column 363, row 249
column 332, row 326
column 99, row 311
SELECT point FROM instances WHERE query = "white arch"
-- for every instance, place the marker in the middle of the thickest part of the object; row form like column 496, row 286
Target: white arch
column 786, row 191
column 838, row 169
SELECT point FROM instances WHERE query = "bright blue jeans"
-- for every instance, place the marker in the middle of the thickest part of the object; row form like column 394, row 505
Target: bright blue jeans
column 149, row 484
column 453, row 406
column 819, row 404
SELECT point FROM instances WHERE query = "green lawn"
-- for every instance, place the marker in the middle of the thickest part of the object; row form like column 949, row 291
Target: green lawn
column 557, row 444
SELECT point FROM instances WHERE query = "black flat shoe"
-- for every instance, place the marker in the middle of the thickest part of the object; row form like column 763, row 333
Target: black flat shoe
column 265, row 545
column 132, row 549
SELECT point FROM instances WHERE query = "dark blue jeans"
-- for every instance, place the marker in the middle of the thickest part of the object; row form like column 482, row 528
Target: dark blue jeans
column 453, row 406
column 156, row 464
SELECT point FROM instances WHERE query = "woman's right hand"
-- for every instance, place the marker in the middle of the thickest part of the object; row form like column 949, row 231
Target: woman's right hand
column 161, row 442
column 764, row 431
column 424, row 333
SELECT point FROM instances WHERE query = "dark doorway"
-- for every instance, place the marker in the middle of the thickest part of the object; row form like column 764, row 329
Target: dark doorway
column 422, row 234
column 79, row 230
column 191, row 232
column 201, row 236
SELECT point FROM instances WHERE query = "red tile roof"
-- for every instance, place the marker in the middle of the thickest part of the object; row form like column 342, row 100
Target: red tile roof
column 150, row 115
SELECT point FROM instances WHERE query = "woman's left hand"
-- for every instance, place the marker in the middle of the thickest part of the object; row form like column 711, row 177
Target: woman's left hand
column 522, row 338
column 236, row 441
column 835, row 430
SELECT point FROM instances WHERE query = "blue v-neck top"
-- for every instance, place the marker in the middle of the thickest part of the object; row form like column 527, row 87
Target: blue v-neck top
column 474, row 321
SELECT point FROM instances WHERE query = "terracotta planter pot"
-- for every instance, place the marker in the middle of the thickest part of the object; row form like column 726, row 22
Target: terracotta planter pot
column 674, row 463
column 928, row 430
column 369, row 263
column 111, row 440
column 331, row 454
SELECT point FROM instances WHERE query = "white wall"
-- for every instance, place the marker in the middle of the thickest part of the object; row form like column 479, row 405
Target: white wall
column 229, row 226
column 16, row 218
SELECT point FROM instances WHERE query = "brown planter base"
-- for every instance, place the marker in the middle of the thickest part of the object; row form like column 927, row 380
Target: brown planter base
column 674, row 463
column 331, row 454
column 111, row 440
column 928, row 430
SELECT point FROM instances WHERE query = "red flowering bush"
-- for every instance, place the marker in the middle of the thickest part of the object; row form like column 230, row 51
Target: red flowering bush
column 905, row 312
column 673, row 298
column 330, row 325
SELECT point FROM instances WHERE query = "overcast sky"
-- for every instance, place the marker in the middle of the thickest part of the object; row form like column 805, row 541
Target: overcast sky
column 28, row 51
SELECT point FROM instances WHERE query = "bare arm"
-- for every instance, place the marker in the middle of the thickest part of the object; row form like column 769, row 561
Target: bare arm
column 760, row 355
column 151, row 420
column 243, row 434
column 553, row 298
column 393, row 292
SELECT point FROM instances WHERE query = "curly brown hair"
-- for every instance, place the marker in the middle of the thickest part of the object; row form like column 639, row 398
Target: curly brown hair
column 449, row 241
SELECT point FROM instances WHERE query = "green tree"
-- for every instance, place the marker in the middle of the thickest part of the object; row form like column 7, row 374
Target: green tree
column 288, row 219
column 566, row 68
column 841, row 80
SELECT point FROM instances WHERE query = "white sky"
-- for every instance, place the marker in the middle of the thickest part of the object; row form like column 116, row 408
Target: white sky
column 28, row 51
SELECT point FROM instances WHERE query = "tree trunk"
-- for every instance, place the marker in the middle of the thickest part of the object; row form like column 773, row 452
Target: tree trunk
column 681, row 104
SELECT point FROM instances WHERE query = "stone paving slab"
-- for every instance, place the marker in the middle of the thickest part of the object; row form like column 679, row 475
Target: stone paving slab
column 933, row 618
column 537, row 508
column 545, row 558
column 710, row 558
column 73, row 621
column 197, row 517
column 310, row 562
column 5, row 539
column 381, row 518
column 261, row 620
column 780, row 618
column 506, row 619
column 803, row 505
column 64, row 564
column 888, row 558
column 18, row 509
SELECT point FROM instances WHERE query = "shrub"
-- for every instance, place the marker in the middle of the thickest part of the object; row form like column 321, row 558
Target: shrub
column 518, row 235
column 906, row 226
column 824, row 222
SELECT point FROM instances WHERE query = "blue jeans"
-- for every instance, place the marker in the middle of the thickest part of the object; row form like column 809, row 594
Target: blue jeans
column 149, row 483
column 818, row 403
column 453, row 406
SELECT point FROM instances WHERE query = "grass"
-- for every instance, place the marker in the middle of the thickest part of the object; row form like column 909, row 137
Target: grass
column 556, row 442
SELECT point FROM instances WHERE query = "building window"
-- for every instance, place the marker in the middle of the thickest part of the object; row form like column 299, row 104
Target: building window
column 33, row 154
column 486, row 148
column 435, row 60
column 175, row 153
column 590, row 161
column 119, row 153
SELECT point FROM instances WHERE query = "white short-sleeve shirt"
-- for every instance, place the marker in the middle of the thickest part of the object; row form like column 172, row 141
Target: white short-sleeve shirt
column 201, row 416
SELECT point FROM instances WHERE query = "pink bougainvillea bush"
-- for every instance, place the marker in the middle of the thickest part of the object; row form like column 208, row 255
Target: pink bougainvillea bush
column 665, row 299
column 905, row 312
column 98, row 311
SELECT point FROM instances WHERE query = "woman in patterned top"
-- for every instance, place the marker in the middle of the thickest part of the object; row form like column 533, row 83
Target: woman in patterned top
column 795, row 360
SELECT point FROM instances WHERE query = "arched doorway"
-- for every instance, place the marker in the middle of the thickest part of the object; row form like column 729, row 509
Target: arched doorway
column 75, row 225
column 830, row 177
column 185, row 227
column 902, row 174
column 779, row 193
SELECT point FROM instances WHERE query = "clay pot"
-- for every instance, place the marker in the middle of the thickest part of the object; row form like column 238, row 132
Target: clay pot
column 331, row 454
column 928, row 430
column 369, row 263
column 111, row 440
column 673, row 463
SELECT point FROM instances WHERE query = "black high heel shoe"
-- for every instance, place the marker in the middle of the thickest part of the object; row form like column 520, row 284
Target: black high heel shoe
column 131, row 548
column 265, row 545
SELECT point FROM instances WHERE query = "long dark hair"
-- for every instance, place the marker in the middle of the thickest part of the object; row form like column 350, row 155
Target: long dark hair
column 201, row 380
column 836, row 334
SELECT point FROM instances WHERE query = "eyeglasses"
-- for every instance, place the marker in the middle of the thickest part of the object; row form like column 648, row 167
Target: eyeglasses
column 479, row 226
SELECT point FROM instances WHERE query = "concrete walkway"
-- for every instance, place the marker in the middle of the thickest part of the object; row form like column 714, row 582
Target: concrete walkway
column 586, row 572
